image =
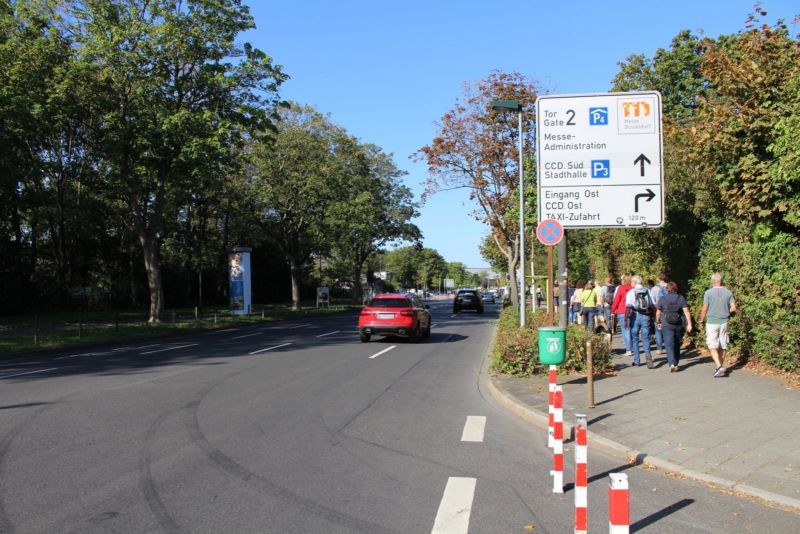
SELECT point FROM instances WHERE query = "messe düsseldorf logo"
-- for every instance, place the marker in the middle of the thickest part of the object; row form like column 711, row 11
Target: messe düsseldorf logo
column 636, row 115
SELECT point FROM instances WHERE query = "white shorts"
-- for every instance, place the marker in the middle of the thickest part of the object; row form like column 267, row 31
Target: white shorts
column 717, row 336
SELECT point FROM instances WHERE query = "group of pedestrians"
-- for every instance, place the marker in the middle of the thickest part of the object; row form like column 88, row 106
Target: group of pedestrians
column 658, row 310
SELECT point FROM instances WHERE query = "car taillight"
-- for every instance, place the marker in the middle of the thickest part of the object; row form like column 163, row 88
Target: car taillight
column 407, row 313
column 366, row 311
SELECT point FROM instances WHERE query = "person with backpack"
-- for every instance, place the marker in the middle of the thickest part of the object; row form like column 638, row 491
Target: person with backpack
column 658, row 290
column 639, row 310
column 673, row 320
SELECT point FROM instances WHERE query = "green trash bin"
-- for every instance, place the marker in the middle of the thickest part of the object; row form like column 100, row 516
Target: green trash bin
column 552, row 345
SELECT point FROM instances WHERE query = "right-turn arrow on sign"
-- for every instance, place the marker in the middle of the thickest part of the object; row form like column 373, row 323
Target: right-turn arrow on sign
column 599, row 160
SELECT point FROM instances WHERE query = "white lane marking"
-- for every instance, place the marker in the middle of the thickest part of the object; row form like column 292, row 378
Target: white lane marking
column 384, row 351
column 434, row 325
column 148, row 346
column 297, row 326
column 456, row 506
column 268, row 348
column 473, row 428
column 169, row 348
column 445, row 340
column 246, row 335
column 329, row 333
column 30, row 372
column 220, row 331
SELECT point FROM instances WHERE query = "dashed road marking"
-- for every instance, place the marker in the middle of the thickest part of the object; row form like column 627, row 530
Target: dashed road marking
column 384, row 351
column 456, row 506
column 169, row 348
column 29, row 372
column 329, row 333
column 269, row 348
column 474, row 428
column 246, row 335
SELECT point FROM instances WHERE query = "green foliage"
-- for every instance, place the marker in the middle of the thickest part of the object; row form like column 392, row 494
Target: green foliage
column 516, row 350
column 763, row 277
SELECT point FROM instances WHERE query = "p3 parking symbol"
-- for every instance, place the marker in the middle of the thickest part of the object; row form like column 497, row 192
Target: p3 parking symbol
column 601, row 168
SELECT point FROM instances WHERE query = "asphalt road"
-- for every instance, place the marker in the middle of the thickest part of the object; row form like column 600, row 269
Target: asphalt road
column 297, row 427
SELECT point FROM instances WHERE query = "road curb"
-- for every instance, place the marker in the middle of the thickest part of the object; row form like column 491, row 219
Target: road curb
column 633, row 456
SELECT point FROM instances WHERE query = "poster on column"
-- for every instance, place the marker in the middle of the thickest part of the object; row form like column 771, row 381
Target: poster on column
column 239, row 267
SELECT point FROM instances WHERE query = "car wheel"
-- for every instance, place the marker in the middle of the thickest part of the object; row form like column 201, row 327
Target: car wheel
column 414, row 335
column 364, row 337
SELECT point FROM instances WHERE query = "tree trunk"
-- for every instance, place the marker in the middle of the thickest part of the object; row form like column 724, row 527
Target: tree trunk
column 357, row 288
column 152, row 265
column 294, row 268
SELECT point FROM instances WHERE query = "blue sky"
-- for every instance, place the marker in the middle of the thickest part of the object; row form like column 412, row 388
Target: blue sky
column 386, row 70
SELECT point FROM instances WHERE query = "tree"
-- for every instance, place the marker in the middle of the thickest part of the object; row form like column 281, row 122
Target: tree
column 295, row 185
column 477, row 148
column 372, row 210
column 176, row 104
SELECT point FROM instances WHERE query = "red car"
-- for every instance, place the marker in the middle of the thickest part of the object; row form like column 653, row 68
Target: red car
column 395, row 314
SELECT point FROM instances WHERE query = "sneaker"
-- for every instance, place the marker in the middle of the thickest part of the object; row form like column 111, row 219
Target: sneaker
column 673, row 368
column 649, row 361
column 720, row 372
column 629, row 353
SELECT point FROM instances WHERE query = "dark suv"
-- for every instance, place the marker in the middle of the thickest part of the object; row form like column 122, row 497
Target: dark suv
column 468, row 299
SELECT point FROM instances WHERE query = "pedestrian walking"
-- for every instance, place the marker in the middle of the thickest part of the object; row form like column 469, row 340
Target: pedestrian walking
column 639, row 310
column 608, row 299
column 589, row 306
column 656, row 293
column 575, row 293
column 718, row 305
column 672, row 321
column 619, row 310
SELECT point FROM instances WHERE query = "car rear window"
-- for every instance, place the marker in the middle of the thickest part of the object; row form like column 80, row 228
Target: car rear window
column 389, row 303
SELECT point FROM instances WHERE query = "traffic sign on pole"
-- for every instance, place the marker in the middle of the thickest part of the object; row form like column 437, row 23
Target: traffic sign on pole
column 600, row 160
column 549, row 232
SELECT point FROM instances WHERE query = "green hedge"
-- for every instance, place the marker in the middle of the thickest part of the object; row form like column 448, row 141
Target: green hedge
column 516, row 350
column 761, row 267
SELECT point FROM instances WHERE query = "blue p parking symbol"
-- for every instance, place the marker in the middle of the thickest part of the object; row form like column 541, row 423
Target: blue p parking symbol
column 601, row 168
column 598, row 116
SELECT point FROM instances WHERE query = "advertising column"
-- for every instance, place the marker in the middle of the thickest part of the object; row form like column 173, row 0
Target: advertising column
column 239, row 267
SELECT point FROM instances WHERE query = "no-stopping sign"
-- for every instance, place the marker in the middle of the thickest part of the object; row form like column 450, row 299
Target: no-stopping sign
column 549, row 232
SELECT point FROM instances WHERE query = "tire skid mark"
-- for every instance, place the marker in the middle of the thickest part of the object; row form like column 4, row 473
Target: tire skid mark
column 148, row 485
column 263, row 484
column 6, row 525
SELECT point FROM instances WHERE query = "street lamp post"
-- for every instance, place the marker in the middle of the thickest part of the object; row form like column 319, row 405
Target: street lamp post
column 514, row 105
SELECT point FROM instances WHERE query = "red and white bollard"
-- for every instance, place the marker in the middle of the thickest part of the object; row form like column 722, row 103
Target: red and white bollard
column 618, row 504
column 552, row 377
column 558, row 440
column 581, row 476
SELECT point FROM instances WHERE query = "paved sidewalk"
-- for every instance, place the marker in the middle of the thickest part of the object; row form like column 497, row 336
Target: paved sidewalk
column 740, row 432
